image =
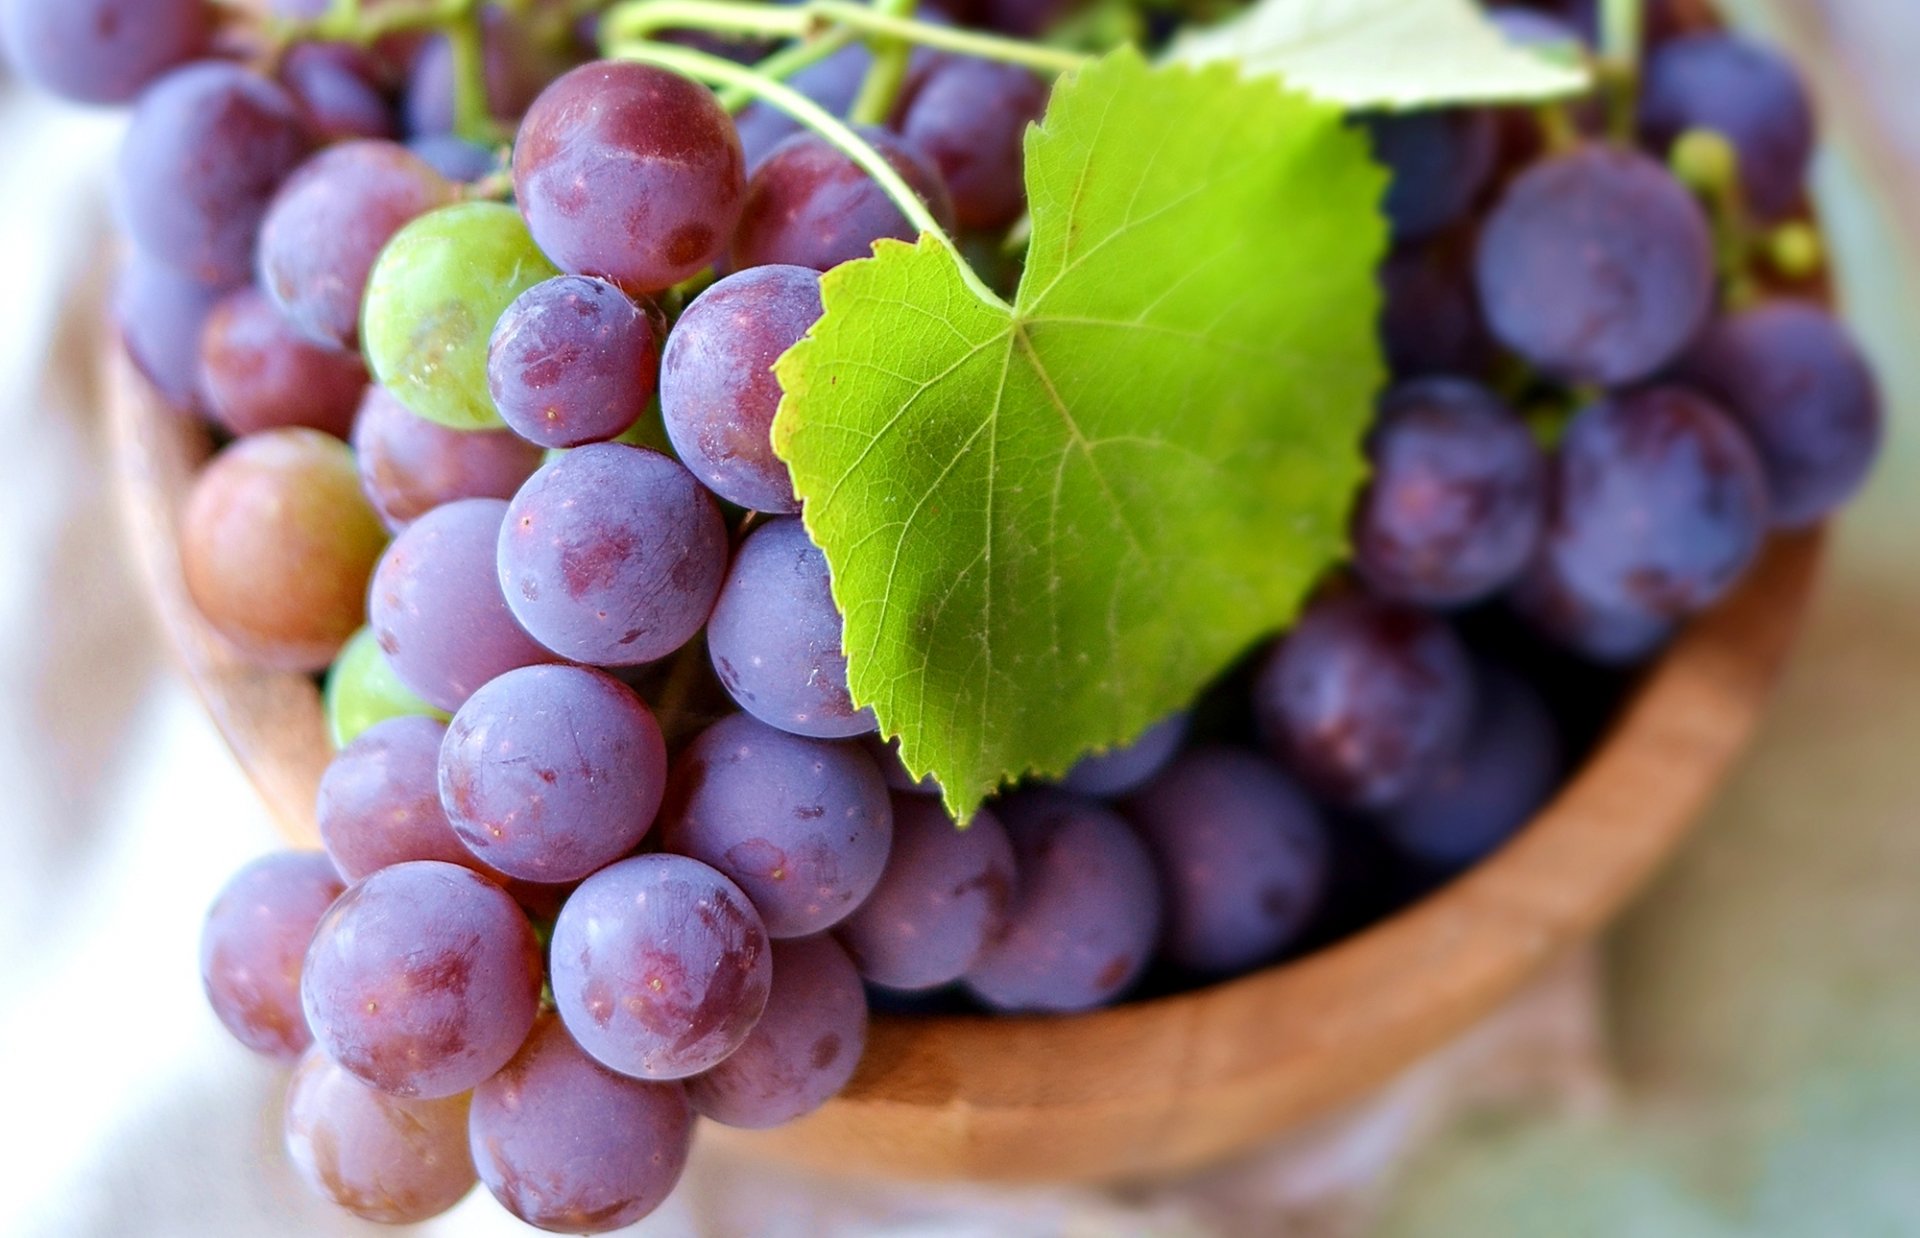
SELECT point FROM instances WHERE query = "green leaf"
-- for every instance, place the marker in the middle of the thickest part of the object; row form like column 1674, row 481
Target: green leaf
column 1384, row 53
column 1051, row 523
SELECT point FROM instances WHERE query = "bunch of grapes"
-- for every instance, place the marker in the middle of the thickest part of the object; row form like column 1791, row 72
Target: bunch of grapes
column 489, row 326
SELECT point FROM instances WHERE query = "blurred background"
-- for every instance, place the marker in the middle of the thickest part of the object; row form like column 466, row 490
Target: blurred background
column 1761, row 1005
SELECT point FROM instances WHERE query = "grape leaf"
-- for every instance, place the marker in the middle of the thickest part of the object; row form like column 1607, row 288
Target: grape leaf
column 1384, row 53
column 1051, row 522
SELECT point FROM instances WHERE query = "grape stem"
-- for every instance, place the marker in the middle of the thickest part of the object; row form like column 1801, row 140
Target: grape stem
column 472, row 115
column 889, row 71
column 716, row 71
column 1622, row 35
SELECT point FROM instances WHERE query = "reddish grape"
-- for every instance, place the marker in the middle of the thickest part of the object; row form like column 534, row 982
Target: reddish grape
column 161, row 314
column 379, row 801
column 970, row 118
column 810, row 205
column 258, row 373
column 573, row 361
column 251, row 949
column 409, row 465
column 337, row 85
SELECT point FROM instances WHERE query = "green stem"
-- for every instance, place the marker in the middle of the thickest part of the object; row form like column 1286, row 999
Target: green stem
column 1622, row 30
column 472, row 113
column 645, row 18
column 889, row 71
column 788, row 61
column 718, row 72
column 948, row 38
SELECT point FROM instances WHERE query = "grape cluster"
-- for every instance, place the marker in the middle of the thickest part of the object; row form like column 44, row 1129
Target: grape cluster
column 608, row 842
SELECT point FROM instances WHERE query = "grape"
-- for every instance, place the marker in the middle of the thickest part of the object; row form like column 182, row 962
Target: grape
column 804, row 1049
column 455, row 158
column 809, row 205
column 573, row 361
column 1505, row 773
column 775, row 637
column 103, row 51
column 1243, row 856
column 612, row 555
column 1541, row 31
column 1431, row 322
column 362, row 692
column 258, row 373
column 276, row 545
column 1130, row 766
column 381, row 1158
column 1609, row 637
column 379, row 801
column 423, row 980
column 1659, row 505
column 1439, row 161
column 251, row 948
column 337, row 85
column 432, row 301
column 328, row 224
column 409, row 465
column 1365, row 699
column 834, row 83
column 550, row 773
column 207, row 147
column 945, row 896
column 1596, row 266
column 1747, row 93
column 802, row 826
column 1089, row 909
column 630, row 173
column 515, row 68
column 569, row 1146
column 718, row 392
column 661, row 966
column 886, row 755
column 1457, row 499
column 436, row 606
column 970, row 118
column 1790, row 374
column 161, row 315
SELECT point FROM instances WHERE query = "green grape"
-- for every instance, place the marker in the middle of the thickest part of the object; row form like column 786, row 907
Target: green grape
column 432, row 302
column 362, row 690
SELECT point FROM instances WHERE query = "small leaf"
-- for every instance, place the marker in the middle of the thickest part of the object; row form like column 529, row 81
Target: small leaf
column 1384, row 53
column 1051, row 523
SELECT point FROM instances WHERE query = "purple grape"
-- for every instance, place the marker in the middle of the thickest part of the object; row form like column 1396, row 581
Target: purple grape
column 834, row 83
column 804, row 1049
column 382, row 1158
column 1573, row 621
column 1365, row 699
column 1243, row 857
column 1508, row 769
column 1533, row 29
column 423, row 980
column 945, row 896
column 379, row 802
column 1659, row 505
column 337, row 85
column 436, row 607
column 258, row 373
column 573, row 361
column 103, row 51
column 718, row 392
column 1596, row 266
column 1749, row 94
column 409, row 465
column 661, row 967
column 1104, row 775
column 1439, row 160
column 1457, row 499
column 630, row 173
column 1791, row 375
column 251, row 949
column 970, row 118
column 455, row 158
column 550, row 773
column 775, row 637
column 569, row 1146
column 801, row 825
column 207, row 147
column 161, row 315
column 612, row 555
column 328, row 224
column 1087, row 916
column 809, row 205
column 1431, row 322
column 515, row 69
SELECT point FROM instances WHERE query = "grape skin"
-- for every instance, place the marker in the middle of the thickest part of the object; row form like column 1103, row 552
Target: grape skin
column 775, row 637
column 362, row 691
column 103, row 51
column 970, row 118
column 804, row 1049
column 252, row 945
column 802, row 826
column 944, row 897
column 573, row 361
column 258, row 373
column 161, row 314
column 380, row 1157
column 423, row 980
column 661, row 967
column 1620, row 636
column 1747, row 93
column 1596, row 266
column 455, row 158
column 337, row 86
column 409, row 465
column 612, row 555
column 550, row 773
column 630, row 173
column 809, row 205
column 834, row 83
column 379, row 801
column 515, row 68
column 436, row 607
column 1439, row 161
column 718, row 391
column 1431, row 323
column 1105, row 775
column 569, row 1146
